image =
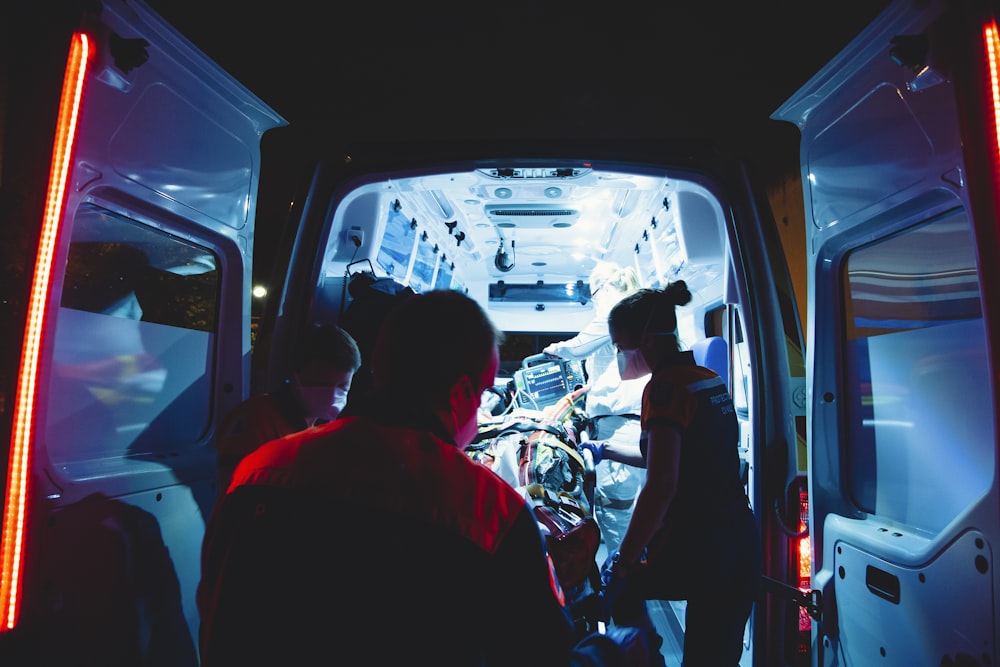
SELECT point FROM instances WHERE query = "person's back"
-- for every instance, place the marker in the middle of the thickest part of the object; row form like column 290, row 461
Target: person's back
column 386, row 541
column 376, row 535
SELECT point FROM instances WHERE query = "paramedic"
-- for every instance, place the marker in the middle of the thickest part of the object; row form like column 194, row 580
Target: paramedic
column 377, row 535
column 612, row 404
column 692, row 535
column 325, row 364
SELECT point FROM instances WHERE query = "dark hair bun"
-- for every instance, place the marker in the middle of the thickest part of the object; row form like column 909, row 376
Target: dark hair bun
column 678, row 293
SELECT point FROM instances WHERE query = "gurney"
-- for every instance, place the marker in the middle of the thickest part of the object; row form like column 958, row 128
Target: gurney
column 538, row 452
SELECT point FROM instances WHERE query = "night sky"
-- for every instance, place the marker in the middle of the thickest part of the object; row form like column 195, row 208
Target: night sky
column 526, row 69
column 530, row 68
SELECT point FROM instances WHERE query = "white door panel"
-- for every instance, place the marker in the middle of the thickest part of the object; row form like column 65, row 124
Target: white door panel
column 902, row 400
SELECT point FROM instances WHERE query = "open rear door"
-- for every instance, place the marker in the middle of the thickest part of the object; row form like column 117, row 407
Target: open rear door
column 899, row 165
column 135, row 163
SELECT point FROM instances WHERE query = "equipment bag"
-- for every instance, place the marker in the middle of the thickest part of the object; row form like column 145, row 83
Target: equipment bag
column 572, row 537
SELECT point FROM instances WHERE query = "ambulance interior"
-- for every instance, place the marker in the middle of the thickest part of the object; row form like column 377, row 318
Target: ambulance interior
column 523, row 241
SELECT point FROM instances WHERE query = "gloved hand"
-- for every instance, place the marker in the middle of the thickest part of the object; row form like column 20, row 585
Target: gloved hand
column 617, row 647
column 633, row 643
column 596, row 449
column 613, row 577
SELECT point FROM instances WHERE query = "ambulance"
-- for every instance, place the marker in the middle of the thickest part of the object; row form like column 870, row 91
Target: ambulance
column 133, row 169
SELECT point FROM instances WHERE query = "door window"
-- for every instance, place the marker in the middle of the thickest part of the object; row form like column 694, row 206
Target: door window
column 919, row 405
column 426, row 260
column 134, row 337
column 397, row 245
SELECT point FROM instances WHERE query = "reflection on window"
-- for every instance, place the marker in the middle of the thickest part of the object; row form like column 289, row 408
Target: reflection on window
column 423, row 266
column 539, row 292
column 445, row 271
column 667, row 251
column 397, row 245
column 133, row 342
column 919, row 403
column 645, row 263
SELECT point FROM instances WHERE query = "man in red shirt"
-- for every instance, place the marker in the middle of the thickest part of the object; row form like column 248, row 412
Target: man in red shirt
column 377, row 536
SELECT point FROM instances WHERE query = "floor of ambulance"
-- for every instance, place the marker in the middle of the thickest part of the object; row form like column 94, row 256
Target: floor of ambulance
column 668, row 616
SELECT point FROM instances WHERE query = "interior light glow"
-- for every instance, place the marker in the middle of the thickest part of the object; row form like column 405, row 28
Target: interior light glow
column 22, row 435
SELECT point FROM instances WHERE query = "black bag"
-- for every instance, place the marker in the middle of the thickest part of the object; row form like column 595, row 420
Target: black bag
column 371, row 300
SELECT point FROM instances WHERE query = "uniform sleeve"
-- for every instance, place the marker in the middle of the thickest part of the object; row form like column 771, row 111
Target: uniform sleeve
column 667, row 403
column 534, row 602
column 528, row 601
column 580, row 346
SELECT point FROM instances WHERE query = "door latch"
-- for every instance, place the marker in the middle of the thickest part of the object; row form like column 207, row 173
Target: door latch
column 811, row 600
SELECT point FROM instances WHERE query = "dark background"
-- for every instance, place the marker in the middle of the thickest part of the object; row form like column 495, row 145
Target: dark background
column 516, row 70
column 531, row 68
column 528, row 69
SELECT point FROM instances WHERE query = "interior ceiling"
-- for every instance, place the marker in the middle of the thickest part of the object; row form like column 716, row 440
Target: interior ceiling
column 550, row 230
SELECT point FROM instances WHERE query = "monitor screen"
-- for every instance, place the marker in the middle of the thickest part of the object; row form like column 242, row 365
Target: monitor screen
column 544, row 383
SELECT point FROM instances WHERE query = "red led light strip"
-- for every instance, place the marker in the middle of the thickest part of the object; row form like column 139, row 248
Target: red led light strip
column 991, row 41
column 22, row 434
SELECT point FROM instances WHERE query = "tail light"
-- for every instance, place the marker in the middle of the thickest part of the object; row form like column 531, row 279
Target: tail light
column 801, row 561
column 15, row 516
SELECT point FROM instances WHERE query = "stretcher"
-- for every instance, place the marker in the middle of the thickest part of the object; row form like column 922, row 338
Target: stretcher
column 538, row 452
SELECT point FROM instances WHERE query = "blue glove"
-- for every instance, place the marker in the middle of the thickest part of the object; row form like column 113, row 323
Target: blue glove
column 612, row 582
column 616, row 646
column 596, row 448
column 634, row 645
column 607, row 570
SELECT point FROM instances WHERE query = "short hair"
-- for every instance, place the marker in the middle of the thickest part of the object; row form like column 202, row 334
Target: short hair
column 429, row 341
column 330, row 344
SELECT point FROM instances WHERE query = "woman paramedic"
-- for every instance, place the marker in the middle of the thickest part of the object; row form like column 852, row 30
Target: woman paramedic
column 692, row 535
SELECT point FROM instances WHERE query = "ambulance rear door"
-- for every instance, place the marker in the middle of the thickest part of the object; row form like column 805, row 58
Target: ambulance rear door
column 130, row 176
column 899, row 154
